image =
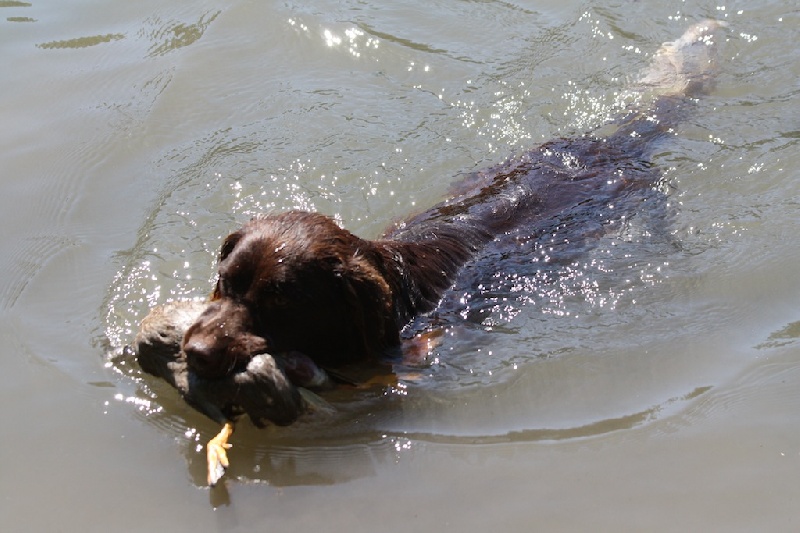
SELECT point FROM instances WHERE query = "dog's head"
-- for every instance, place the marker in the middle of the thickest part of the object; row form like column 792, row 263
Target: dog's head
column 291, row 282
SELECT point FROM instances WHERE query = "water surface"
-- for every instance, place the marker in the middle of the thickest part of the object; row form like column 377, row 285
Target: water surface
column 652, row 383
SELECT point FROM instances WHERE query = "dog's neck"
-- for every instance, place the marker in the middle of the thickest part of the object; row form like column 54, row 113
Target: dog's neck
column 421, row 263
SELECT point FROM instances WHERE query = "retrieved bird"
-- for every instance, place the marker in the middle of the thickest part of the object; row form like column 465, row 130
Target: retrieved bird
column 262, row 389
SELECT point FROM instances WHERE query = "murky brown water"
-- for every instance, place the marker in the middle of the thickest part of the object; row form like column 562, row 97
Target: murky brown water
column 652, row 386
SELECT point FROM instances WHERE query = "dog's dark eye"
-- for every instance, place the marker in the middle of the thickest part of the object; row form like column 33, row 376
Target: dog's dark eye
column 279, row 300
column 273, row 299
column 232, row 284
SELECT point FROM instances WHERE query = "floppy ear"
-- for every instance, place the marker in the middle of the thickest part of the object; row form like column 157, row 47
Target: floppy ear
column 228, row 245
column 369, row 300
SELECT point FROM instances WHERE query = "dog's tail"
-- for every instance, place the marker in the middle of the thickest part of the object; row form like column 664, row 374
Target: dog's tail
column 681, row 71
column 688, row 65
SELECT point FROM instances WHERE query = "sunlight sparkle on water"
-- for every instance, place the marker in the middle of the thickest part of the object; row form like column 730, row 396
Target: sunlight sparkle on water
column 144, row 405
column 353, row 37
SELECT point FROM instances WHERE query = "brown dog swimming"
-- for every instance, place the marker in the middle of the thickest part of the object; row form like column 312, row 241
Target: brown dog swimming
column 296, row 292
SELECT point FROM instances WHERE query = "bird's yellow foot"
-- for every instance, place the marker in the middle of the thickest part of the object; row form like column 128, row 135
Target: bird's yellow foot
column 217, row 454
